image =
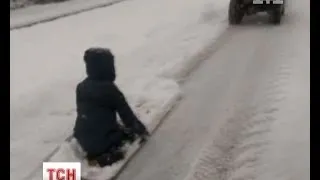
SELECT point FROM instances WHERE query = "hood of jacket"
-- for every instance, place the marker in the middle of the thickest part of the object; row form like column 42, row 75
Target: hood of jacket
column 100, row 64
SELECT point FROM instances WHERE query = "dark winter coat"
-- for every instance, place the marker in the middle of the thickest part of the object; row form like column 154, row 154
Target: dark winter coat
column 98, row 100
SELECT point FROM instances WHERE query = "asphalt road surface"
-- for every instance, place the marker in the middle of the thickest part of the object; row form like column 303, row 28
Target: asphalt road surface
column 246, row 109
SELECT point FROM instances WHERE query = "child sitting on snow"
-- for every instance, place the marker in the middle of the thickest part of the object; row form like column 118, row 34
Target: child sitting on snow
column 98, row 100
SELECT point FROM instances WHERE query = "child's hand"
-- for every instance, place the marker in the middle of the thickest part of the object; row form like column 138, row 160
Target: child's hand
column 144, row 137
column 140, row 129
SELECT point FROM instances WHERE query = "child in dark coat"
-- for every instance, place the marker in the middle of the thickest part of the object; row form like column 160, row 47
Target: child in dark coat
column 98, row 100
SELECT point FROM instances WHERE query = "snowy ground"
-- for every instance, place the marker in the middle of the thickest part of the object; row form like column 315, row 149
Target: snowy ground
column 247, row 105
column 266, row 134
column 153, row 41
column 34, row 14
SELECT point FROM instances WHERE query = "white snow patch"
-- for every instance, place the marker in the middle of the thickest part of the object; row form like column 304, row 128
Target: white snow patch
column 39, row 13
column 152, row 41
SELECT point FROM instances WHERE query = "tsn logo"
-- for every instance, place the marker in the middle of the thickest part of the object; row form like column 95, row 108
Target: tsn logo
column 61, row 171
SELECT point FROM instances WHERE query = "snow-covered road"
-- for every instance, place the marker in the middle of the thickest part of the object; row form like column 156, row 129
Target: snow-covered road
column 35, row 14
column 153, row 41
column 246, row 111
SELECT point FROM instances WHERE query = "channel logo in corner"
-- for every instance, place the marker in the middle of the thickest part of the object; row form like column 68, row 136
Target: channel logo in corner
column 61, row 171
column 267, row 1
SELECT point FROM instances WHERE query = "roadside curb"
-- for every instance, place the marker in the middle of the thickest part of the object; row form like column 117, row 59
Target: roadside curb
column 58, row 16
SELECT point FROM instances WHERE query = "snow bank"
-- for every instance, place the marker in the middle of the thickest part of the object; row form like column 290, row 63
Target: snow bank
column 152, row 50
column 36, row 14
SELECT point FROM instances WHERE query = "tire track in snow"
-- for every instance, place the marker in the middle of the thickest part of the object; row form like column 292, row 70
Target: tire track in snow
column 234, row 152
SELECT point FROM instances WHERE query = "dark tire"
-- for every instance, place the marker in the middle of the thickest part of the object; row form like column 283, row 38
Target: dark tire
column 275, row 16
column 282, row 11
column 235, row 14
column 283, row 7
